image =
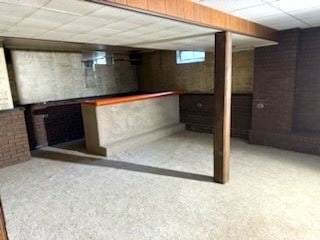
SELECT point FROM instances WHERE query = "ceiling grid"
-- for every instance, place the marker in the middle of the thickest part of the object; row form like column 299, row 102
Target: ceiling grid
column 85, row 22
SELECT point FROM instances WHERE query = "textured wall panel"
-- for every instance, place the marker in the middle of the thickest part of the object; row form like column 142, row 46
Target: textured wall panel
column 51, row 76
column 159, row 72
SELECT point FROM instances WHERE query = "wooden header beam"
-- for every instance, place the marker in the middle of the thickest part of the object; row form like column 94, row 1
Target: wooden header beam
column 195, row 13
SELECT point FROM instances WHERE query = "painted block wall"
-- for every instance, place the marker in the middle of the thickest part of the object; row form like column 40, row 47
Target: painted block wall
column 160, row 72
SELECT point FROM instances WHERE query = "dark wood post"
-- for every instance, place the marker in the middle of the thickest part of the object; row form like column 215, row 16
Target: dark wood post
column 3, row 231
column 222, row 99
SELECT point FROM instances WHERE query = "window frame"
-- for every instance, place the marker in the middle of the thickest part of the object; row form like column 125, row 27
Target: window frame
column 193, row 59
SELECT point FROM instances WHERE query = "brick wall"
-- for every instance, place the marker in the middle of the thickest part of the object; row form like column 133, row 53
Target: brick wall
column 14, row 147
column 286, row 102
column 197, row 112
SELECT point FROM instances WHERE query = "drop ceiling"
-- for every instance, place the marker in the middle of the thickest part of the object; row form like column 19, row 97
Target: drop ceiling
column 277, row 14
column 80, row 21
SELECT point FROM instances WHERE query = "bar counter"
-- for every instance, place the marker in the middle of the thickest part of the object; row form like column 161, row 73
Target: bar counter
column 116, row 124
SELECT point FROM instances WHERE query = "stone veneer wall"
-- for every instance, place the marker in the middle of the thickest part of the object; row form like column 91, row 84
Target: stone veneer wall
column 160, row 72
column 14, row 147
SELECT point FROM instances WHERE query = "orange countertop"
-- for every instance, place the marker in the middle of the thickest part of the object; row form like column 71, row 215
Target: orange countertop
column 116, row 100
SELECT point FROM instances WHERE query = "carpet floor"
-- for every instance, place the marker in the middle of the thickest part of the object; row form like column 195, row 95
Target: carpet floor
column 163, row 190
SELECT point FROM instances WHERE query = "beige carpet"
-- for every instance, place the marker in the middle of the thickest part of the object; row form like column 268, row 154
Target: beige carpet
column 163, row 190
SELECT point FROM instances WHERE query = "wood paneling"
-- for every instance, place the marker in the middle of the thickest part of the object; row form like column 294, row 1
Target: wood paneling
column 121, row 1
column 188, row 11
column 3, row 231
column 157, row 6
column 171, row 7
column 180, row 9
column 222, row 101
column 188, row 7
column 143, row 4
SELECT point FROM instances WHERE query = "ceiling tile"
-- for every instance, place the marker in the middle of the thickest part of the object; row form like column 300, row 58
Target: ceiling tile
column 75, row 28
column 55, row 35
column 230, row 5
column 52, row 17
column 9, row 20
column 17, row 34
column 307, row 13
column 313, row 21
column 143, row 19
column 92, row 21
column 112, row 12
column 39, row 23
column 294, row 23
column 281, row 22
column 122, row 25
column 282, row 17
column 106, row 40
column 104, row 31
column 19, row 11
column 3, row 27
column 75, row 7
column 257, row 12
column 27, row 3
column 144, row 30
column 83, row 37
column 27, row 30
column 290, row 6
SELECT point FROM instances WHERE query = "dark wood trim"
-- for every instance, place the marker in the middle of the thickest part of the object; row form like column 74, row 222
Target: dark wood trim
column 222, row 100
column 194, row 13
column 3, row 231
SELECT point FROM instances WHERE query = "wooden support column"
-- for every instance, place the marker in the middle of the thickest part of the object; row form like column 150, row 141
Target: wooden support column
column 3, row 232
column 222, row 99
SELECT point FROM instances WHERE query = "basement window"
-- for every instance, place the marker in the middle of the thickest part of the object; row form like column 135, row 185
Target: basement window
column 190, row 56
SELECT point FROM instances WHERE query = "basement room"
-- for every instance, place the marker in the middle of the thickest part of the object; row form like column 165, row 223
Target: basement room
column 159, row 119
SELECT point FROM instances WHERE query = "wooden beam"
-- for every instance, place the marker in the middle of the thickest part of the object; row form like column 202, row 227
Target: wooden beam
column 195, row 13
column 3, row 231
column 222, row 99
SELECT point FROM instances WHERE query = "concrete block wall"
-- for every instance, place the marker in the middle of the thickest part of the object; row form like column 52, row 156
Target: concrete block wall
column 14, row 146
column 285, row 109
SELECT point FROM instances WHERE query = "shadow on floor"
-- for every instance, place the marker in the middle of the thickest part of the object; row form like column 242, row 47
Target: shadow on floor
column 64, row 157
